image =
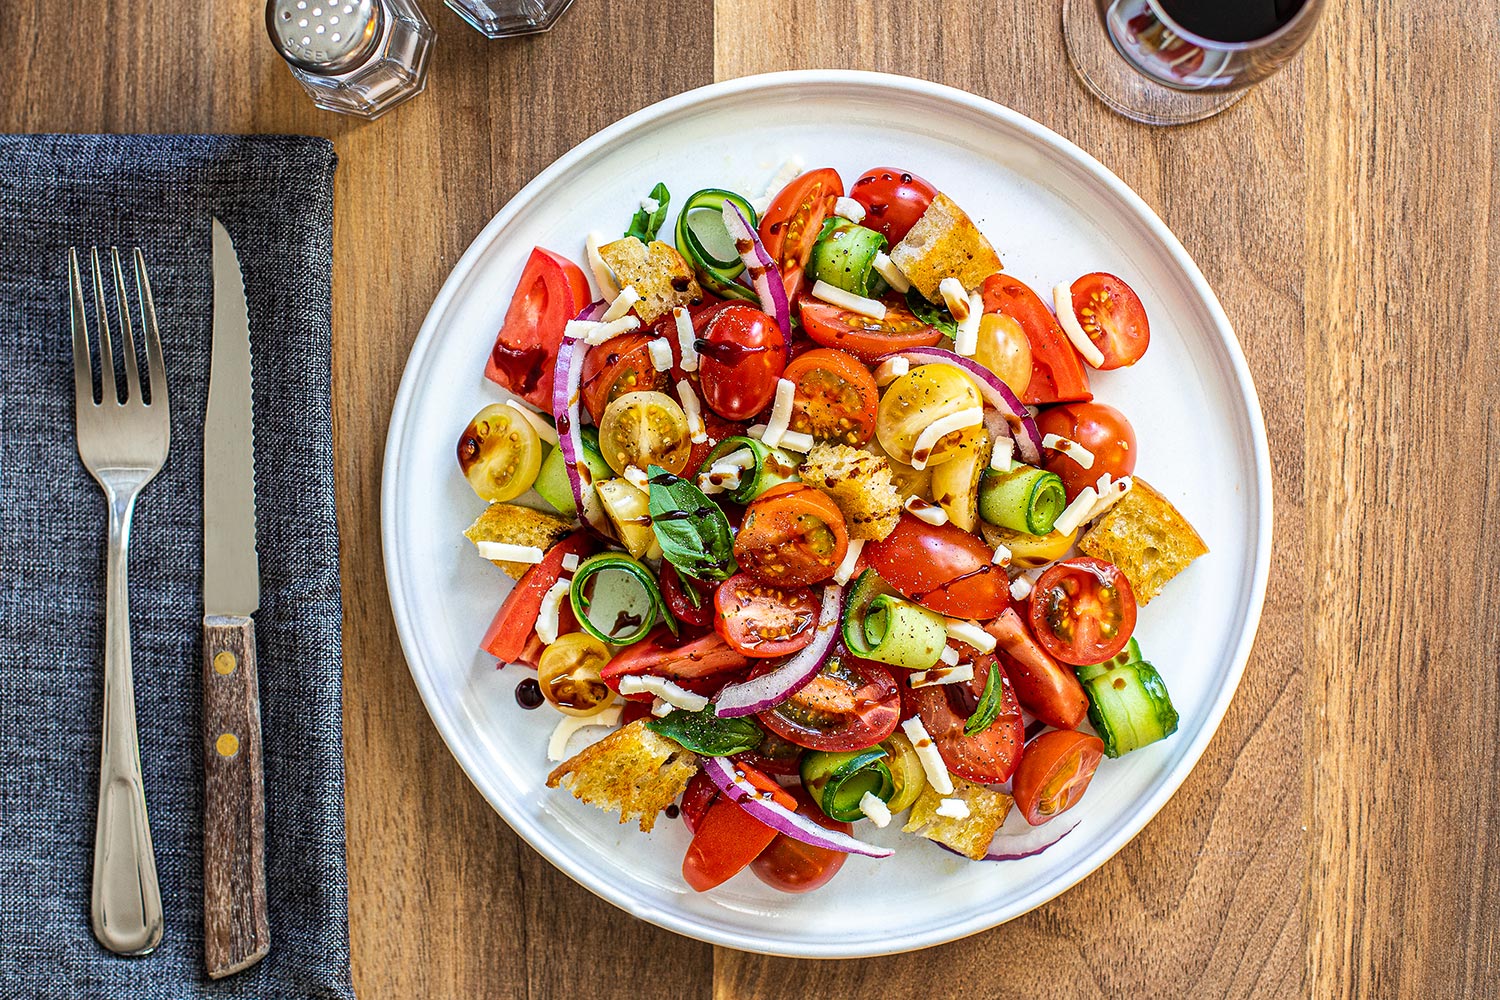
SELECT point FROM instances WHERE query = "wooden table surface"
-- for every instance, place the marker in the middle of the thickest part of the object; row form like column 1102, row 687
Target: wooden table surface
column 1341, row 836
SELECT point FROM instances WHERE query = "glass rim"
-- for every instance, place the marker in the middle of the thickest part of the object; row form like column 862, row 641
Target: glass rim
column 1204, row 42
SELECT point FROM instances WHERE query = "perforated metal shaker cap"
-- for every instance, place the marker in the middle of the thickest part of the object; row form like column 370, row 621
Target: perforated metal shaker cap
column 327, row 37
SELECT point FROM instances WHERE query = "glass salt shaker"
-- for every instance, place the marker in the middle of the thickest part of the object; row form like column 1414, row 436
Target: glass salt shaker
column 508, row 18
column 357, row 57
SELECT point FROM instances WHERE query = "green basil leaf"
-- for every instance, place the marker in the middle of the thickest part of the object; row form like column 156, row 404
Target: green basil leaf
column 691, row 529
column 689, row 588
column 704, row 732
column 989, row 705
column 645, row 225
column 936, row 316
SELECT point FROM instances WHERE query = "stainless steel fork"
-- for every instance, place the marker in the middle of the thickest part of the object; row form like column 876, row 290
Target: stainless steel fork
column 123, row 445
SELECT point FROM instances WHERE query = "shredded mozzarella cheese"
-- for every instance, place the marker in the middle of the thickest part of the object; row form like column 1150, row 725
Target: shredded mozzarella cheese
column 927, row 753
column 888, row 270
column 595, row 334
column 797, row 441
column 506, row 552
column 940, row 428
column 1072, row 449
column 1077, row 512
column 955, row 298
column 836, row 296
column 848, row 208
column 1020, row 588
column 649, row 204
column 970, row 634
column 949, row 655
column 686, row 338
column 953, row 809
column 1002, row 555
column 781, row 413
column 636, row 476
column 875, row 809
column 925, row 511
column 845, row 571
column 1110, row 495
column 621, row 304
column 661, row 709
column 1000, row 458
column 557, row 745
column 661, row 354
column 966, row 338
column 673, row 694
column 544, row 430
column 890, row 371
column 1062, row 300
column 942, row 675
column 603, row 276
column 697, row 432
column 549, row 613
column 570, row 562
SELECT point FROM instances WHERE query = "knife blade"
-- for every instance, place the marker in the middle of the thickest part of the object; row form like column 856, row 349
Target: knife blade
column 235, row 913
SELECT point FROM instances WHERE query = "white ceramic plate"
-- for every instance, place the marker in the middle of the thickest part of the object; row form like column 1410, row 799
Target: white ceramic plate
column 1053, row 212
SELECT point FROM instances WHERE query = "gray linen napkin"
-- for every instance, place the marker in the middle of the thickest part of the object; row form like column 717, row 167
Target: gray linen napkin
column 275, row 195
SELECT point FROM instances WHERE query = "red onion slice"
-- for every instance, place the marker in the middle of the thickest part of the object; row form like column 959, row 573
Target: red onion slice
column 765, row 277
column 759, row 693
column 567, row 380
column 995, row 392
column 720, row 771
column 1014, row 847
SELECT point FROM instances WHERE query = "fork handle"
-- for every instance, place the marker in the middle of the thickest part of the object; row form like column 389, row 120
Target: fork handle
column 125, row 905
column 236, row 926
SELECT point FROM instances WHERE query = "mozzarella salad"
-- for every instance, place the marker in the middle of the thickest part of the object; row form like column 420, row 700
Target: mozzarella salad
column 814, row 523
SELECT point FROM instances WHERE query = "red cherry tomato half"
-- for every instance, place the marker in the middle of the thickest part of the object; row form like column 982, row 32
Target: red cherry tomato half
column 728, row 838
column 1046, row 689
column 1057, row 372
column 620, row 366
column 1055, row 771
column 763, row 621
column 774, row 755
column 849, row 704
column 942, row 567
column 863, row 336
column 1112, row 317
column 675, row 591
column 793, row 535
column 790, row 226
column 696, row 798
column 1101, row 429
column 836, row 399
column 1083, row 610
column 893, row 199
column 552, row 290
column 989, row 755
column 742, row 354
column 793, row 866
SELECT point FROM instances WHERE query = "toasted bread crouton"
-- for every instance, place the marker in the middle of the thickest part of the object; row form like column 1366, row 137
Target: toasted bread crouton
column 970, row 836
column 1147, row 538
column 944, row 243
column 859, row 483
column 909, row 482
column 657, row 272
column 633, row 770
column 516, row 525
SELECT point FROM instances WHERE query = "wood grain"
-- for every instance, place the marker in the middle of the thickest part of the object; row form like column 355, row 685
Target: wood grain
column 236, row 918
column 1341, row 836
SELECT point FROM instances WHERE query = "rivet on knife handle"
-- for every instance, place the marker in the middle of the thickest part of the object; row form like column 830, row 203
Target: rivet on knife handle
column 236, row 928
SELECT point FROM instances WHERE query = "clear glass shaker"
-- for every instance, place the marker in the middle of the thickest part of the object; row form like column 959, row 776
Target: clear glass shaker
column 357, row 57
column 507, row 18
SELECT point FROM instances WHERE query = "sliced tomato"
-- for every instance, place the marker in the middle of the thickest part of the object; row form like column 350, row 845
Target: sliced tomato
column 696, row 798
column 793, row 535
column 791, row 223
column 989, row 755
column 942, row 567
column 836, row 397
column 1055, row 771
column 791, row 865
column 863, row 336
column 1112, row 317
column 743, row 353
column 515, row 623
column 1103, row 430
column 1083, row 610
column 894, row 200
column 1044, row 688
column 762, row 621
column 552, row 290
column 675, row 591
column 1057, row 372
column 728, row 838
column 622, row 365
column 848, row 705
column 705, row 658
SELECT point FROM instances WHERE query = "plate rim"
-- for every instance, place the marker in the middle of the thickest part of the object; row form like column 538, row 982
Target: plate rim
column 855, row 80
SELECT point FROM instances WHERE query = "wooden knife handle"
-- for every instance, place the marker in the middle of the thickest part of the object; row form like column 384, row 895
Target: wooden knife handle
column 236, row 929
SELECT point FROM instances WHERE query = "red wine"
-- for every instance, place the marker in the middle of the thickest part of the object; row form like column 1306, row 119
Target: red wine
column 1232, row 20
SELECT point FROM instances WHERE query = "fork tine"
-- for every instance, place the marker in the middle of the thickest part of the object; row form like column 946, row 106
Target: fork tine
column 127, row 331
column 157, row 366
column 83, row 370
column 106, row 345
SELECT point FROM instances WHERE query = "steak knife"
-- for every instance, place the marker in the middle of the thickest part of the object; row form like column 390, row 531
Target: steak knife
column 235, row 921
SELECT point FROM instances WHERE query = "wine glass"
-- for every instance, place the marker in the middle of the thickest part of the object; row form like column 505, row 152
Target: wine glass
column 1169, row 62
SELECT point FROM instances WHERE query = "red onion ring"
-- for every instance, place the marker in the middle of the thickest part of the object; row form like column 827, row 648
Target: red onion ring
column 1034, row 841
column 995, row 392
column 720, row 771
column 765, row 277
column 759, row 693
column 567, row 381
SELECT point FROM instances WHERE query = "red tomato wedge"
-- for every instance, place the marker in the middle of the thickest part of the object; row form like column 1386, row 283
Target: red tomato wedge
column 727, row 838
column 620, row 366
column 1057, row 372
column 989, row 755
column 515, row 623
column 894, row 200
column 1083, row 610
column 1047, row 690
column 836, row 397
column 848, row 705
column 1055, row 771
column 1112, row 318
column 763, row 621
column 862, row 336
column 791, row 223
column 942, row 567
column 1102, row 430
column 552, row 291
column 663, row 654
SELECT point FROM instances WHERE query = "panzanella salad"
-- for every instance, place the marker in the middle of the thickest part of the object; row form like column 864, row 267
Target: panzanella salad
column 834, row 533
